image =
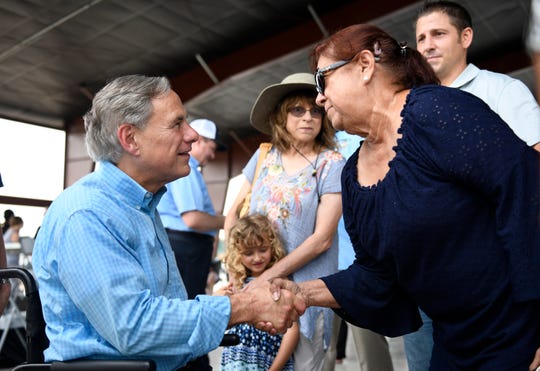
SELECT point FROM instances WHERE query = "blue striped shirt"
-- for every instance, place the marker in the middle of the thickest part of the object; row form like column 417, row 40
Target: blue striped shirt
column 186, row 194
column 108, row 281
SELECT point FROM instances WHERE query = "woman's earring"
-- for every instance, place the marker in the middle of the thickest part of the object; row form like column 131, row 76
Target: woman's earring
column 366, row 78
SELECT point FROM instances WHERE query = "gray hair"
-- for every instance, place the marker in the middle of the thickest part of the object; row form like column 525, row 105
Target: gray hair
column 126, row 99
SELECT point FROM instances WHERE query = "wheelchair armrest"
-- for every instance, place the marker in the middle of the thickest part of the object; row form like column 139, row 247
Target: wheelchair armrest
column 105, row 365
column 91, row 365
column 229, row 340
column 32, row 367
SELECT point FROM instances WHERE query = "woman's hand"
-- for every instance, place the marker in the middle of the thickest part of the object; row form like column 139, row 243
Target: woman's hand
column 277, row 284
column 535, row 365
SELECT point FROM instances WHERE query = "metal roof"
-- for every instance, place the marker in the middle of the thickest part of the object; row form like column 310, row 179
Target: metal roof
column 55, row 54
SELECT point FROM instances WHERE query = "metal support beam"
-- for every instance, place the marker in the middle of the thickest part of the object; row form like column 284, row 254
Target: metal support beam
column 318, row 21
column 239, row 141
column 8, row 200
column 35, row 37
column 206, row 68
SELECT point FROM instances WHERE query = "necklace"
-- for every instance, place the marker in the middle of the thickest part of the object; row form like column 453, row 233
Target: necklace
column 313, row 165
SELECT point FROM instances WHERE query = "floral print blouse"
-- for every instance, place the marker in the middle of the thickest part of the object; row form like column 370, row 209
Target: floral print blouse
column 290, row 201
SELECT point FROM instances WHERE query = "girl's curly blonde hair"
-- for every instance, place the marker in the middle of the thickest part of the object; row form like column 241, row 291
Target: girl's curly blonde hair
column 250, row 232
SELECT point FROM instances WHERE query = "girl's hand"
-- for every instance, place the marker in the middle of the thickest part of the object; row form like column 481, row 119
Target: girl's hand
column 226, row 290
column 261, row 280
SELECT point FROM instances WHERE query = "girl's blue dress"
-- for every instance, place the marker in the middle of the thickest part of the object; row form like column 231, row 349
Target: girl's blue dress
column 256, row 351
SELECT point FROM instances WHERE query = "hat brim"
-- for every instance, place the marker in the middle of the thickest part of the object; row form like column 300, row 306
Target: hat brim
column 267, row 101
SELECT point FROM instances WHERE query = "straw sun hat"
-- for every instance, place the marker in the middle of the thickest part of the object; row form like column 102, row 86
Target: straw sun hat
column 271, row 95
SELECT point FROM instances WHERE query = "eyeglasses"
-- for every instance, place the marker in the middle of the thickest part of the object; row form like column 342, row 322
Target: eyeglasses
column 320, row 73
column 299, row 111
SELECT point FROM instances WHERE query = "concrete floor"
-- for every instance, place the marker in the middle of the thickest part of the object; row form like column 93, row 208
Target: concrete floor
column 350, row 363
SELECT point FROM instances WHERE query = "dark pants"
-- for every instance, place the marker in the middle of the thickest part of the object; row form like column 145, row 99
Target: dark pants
column 193, row 253
column 341, row 340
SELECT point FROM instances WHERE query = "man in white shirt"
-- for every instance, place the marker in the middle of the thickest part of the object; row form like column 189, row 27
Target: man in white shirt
column 533, row 42
column 443, row 35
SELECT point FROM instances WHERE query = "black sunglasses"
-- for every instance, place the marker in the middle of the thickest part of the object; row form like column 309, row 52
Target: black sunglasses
column 299, row 111
column 320, row 73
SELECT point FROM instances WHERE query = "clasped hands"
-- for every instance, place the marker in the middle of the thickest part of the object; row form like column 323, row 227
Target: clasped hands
column 286, row 306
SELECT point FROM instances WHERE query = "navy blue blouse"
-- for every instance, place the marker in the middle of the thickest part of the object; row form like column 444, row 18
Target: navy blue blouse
column 454, row 227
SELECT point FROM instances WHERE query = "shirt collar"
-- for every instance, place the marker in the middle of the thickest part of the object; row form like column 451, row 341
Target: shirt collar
column 469, row 73
column 133, row 192
column 193, row 163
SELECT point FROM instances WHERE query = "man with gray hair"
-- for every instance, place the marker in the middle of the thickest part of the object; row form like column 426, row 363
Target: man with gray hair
column 189, row 218
column 108, row 280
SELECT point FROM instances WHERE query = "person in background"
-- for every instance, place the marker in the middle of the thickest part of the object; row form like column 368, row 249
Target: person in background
column 298, row 189
column 12, row 234
column 341, row 342
column 442, row 205
column 189, row 217
column 8, row 214
column 444, row 33
column 108, row 280
column 532, row 41
column 5, row 285
column 188, row 214
column 252, row 247
column 371, row 348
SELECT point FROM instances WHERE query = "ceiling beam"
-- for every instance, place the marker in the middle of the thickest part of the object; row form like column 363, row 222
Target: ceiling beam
column 191, row 83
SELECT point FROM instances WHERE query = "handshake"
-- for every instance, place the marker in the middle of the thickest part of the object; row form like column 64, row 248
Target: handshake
column 272, row 306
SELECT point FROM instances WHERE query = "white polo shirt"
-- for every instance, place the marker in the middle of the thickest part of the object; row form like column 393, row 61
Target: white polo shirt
column 509, row 97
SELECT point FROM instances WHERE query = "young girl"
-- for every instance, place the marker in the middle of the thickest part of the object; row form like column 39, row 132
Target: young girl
column 252, row 247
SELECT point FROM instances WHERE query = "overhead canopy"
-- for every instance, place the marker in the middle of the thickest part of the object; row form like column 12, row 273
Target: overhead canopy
column 54, row 55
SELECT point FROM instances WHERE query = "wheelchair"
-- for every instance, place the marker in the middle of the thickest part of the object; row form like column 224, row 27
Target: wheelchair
column 37, row 342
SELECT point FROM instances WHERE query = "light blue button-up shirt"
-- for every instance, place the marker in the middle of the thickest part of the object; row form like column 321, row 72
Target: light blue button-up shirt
column 347, row 144
column 509, row 97
column 108, row 280
column 186, row 194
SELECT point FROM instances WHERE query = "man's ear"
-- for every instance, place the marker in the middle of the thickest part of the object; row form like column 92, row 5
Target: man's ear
column 467, row 37
column 127, row 136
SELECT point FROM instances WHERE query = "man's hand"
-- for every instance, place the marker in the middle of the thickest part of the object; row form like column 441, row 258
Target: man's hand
column 259, row 308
